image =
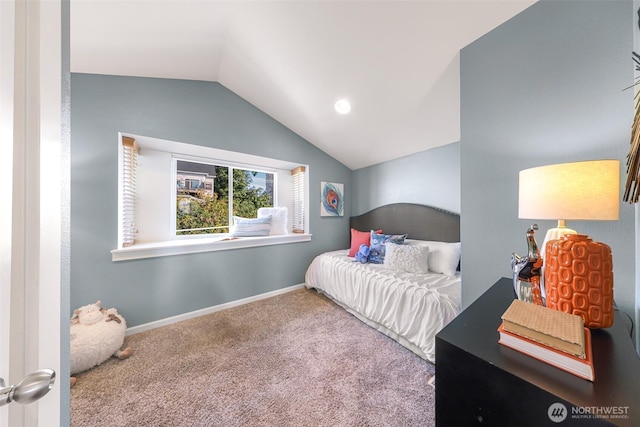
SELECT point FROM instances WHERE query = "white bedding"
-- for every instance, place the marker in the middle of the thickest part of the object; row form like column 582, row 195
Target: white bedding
column 410, row 308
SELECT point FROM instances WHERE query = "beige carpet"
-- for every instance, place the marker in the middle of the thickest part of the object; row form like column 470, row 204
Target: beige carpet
column 292, row 360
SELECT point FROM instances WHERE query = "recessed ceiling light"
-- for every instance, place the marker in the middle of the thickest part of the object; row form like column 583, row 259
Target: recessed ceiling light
column 343, row 106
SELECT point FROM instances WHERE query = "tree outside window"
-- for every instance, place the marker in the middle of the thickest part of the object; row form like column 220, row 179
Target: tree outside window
column 207, row 199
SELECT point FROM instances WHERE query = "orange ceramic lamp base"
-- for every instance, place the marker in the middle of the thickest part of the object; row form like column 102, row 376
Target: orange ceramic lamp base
column 578, row 279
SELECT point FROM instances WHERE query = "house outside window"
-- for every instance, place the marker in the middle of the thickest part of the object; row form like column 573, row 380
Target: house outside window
column 208, row 196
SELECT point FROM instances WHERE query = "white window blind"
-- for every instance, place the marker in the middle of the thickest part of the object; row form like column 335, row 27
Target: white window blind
column 130, row 150
column 298, row 199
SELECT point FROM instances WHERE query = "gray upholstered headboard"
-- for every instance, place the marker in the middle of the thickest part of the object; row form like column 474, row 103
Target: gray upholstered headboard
column 417, row 221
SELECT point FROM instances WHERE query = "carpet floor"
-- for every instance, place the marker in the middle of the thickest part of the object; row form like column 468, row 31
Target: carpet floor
column 296, row 359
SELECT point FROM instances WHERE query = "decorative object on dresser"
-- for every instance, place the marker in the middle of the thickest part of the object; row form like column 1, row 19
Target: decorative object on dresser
column 527, row 271
column 578, row 272
column 554, row 337
column 408, row 290
column 553, row 328
column 581, row 367
column 481, row 382
column 579, row 279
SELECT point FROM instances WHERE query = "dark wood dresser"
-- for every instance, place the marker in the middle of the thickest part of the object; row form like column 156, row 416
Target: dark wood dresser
column 481, row 382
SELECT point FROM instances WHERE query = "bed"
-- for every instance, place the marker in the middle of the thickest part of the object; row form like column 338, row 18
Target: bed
column 409, row 304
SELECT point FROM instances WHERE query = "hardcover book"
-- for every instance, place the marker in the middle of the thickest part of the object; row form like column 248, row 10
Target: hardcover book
column 581, row 367
column 553, row 328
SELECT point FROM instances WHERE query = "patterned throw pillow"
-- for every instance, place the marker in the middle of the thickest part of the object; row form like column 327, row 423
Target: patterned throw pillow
column 251, row 227
column 409, row 258
column 377, row 248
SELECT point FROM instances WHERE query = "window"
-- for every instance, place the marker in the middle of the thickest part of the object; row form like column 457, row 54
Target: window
column 208, row 196
column 181, row 198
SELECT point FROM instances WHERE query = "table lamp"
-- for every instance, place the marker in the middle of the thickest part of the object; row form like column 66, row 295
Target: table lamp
column 578, row 272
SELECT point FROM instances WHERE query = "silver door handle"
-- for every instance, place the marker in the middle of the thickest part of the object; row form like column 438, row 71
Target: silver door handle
column 31, row 388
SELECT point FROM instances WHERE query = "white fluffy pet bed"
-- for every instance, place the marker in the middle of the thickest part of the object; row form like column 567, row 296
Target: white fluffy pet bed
column 96, row 335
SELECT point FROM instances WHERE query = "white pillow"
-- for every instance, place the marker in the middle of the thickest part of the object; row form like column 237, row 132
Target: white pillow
column 443, row 257
column 409, row 258
column 251, row 227
column 278, row 219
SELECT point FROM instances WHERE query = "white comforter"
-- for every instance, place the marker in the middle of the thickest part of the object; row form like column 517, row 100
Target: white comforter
column 410, row 308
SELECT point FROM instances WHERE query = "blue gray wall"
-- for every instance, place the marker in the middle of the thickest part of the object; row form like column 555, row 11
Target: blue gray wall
column 543, row 88
column 192, row 112
column 431, row 177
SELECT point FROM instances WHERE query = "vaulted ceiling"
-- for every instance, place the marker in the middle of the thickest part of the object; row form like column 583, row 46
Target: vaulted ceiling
column 396, row 62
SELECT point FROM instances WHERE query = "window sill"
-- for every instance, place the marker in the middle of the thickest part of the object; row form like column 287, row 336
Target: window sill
column 191, row 246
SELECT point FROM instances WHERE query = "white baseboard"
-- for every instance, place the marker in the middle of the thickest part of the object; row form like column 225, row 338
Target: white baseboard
column 208, row 310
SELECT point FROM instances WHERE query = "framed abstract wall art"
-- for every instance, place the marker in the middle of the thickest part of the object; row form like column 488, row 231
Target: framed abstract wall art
column 331, row 199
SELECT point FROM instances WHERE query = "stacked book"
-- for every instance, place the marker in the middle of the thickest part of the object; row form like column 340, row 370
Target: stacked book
column 552, row 336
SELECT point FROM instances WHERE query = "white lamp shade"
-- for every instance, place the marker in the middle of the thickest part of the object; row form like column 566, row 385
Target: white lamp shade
column 587, row 190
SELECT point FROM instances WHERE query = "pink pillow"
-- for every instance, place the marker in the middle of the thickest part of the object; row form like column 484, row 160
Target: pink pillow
column 359, row 238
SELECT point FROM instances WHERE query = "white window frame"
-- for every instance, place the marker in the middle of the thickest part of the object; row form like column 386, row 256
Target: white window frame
column 216, row 162
column 158, row 156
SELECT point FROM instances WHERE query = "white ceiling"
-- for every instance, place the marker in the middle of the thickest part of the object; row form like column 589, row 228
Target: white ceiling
column 396, row 61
